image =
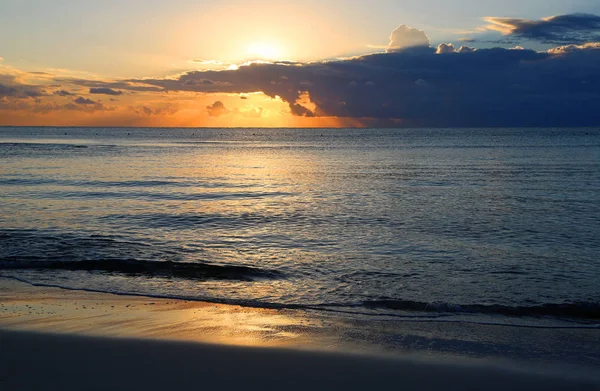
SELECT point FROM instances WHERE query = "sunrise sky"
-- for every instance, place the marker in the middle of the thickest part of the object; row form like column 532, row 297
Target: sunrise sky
column 321, row 63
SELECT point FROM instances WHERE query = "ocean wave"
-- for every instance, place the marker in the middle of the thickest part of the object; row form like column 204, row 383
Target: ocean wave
column 582, row 310
column 199, row 271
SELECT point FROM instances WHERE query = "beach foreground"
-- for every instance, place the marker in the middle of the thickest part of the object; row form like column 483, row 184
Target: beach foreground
column 32, row 361
column 53, row 339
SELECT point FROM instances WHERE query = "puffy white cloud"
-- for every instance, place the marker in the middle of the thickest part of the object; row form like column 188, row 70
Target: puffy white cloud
column 405, row 37
column 575, row 48
column 466, row 49
column 445, row 48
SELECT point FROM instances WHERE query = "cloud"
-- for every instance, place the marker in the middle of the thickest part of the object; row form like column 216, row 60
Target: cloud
column 86, row 107
column 83, row 101
column 63, row 93
column 7, row 91
column 198, row 82
column 404, row 86
column 12, row 87
column 138, row 85
column 466, row 49
column 145, row 111
column 105, row 91
column 405, row 37
column 303, row 106
column 445, row 48
column 41, row 106
column 217, row 109
column 207, row 62
column 486, row 87
column 448, row 48
column 574, row 48
column 561, row 29
column 255, row 112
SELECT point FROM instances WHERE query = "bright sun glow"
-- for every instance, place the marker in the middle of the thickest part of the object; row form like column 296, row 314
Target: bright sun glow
column 265, row 51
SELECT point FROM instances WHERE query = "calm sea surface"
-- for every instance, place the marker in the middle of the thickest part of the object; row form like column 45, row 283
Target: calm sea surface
column 408, row 223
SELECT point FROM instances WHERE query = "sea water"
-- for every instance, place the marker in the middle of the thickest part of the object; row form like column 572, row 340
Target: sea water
column 407, row 223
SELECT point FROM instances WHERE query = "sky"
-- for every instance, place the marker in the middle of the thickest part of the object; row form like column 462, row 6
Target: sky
column 308, row 63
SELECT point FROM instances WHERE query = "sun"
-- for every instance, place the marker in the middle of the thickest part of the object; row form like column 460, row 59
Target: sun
column 265, row 51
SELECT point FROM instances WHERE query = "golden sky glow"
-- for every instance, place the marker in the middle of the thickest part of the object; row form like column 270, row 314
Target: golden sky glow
column 270, row 63
column 266, row 51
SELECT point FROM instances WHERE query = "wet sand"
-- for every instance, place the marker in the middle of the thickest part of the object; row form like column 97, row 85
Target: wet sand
column 24, row 307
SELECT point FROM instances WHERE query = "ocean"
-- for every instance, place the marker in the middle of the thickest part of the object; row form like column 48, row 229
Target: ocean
column 460, row 225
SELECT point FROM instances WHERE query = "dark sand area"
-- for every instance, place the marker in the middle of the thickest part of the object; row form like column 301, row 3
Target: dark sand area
column 33, row 361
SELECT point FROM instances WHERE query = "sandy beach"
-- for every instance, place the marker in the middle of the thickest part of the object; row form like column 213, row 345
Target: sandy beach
column 33, row 361
column 55, row 339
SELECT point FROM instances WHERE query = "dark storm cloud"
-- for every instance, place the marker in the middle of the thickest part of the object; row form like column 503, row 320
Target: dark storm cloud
column 486, row 87
column 561, row 29
column 105, row 91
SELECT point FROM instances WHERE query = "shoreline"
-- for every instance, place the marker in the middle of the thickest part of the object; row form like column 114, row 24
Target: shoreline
column 33, row 307
column 81, row 319
column 24, row 307
column 543, row 320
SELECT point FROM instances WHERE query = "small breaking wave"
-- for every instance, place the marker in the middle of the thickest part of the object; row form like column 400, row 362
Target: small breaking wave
column 581, row 310
column 345, row 309
column 197, row 271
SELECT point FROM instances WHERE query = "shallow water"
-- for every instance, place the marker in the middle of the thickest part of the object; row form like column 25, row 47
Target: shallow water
column 412, row 223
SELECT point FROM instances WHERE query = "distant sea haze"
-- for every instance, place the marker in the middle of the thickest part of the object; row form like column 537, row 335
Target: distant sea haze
column 475, row 225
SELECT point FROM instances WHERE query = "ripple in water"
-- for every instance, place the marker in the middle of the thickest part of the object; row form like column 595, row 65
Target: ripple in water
column 500, row 222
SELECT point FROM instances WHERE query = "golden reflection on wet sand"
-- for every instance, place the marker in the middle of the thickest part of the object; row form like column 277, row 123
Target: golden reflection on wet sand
column 54, row 310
